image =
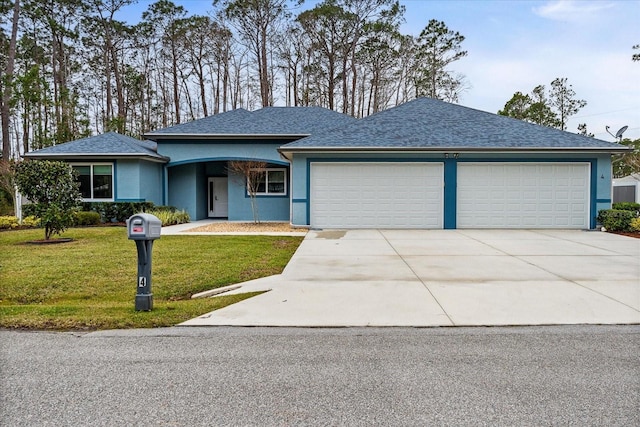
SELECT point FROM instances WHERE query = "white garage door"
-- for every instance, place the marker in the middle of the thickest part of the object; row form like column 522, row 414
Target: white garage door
column 376, row 195
column 523, row 195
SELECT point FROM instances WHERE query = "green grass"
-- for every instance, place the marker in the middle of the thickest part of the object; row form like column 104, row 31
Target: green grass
column 90, row 283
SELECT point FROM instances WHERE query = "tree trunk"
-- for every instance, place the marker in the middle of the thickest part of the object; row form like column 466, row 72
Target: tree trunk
column 264, row 71
column 122, row 116
column 203, row 89
column 8, row 75
column 176, row 83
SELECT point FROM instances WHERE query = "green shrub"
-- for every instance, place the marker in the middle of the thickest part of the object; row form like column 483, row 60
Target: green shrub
column 87, row 218
column 171, row 218
column 165, row 208
column 116, row 211
column 626, row 206
column 6, row 203
column 121, row 211
column 634, row 225
column 53, row 190
column 28, row 210
column 616, row 220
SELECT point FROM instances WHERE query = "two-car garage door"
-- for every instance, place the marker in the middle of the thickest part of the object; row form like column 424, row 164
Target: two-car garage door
column 376, row 195
column 523, row 195
column 411, row 195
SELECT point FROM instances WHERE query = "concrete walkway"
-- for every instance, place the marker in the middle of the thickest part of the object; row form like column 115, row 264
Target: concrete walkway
column 447, row 278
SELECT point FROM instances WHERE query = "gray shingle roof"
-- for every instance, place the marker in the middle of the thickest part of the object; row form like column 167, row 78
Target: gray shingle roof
column 110, row 144
column 285, row 121
column 429, row 124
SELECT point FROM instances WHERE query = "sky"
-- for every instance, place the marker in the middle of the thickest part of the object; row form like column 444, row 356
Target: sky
column 516, row 45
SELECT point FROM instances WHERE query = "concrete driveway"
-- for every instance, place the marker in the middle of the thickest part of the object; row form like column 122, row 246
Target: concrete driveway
column 447, row 278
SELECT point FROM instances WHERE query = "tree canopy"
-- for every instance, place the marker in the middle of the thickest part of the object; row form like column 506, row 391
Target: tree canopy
column 552, row 108
column 71, row 68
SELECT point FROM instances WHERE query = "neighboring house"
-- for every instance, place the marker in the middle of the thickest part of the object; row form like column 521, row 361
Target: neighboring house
column 423, row 164
column 627, row 189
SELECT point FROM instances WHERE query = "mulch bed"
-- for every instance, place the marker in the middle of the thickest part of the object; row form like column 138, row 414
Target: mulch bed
column 226, row 227
column 627, row 233
column 50, row 241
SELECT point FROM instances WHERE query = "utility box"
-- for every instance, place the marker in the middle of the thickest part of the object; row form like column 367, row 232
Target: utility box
column 144, row 226
column 144, row 229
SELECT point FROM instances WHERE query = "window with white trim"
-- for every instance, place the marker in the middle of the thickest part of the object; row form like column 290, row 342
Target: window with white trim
column 272, row 182
column 96, row 180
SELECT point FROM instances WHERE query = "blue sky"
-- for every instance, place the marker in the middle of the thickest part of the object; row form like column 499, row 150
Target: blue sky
column 516, row 45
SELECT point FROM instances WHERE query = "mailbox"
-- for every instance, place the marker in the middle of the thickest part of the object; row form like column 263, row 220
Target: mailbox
column 144, row 226
column 144, row 229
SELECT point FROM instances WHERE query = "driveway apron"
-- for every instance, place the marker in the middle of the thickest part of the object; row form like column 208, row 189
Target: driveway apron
column 421, row 278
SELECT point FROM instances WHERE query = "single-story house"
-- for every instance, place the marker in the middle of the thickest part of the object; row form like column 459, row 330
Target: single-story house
column 627, row 189
column 422, row 164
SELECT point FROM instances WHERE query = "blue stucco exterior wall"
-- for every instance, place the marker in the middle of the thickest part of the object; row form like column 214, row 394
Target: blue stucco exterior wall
column 600, row 192
column 182, row 183
column 138, row 181
column 193, row 163
column 270, row 208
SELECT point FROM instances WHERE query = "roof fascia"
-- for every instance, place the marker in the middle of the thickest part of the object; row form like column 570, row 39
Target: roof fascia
column 451, row 149
column 158, row 136
column 83, row 156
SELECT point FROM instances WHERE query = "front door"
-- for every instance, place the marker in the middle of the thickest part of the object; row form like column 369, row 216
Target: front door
column 218, row 198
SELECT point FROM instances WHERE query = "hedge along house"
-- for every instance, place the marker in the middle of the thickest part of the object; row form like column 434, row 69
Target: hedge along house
column 198, row 178
column 112, row 167
column 431, row 164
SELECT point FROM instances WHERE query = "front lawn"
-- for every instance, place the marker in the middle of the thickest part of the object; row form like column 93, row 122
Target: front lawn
column 90, row 283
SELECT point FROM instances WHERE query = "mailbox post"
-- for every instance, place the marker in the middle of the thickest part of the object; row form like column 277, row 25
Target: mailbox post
column 144, row 229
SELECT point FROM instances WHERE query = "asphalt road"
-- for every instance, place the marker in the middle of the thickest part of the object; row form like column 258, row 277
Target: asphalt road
column 563, row 375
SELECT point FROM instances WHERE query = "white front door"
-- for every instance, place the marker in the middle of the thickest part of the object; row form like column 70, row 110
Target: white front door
column 218, row 197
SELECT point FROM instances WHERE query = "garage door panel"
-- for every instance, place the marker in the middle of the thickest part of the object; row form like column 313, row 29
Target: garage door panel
column 381, row 195
column 523, row 195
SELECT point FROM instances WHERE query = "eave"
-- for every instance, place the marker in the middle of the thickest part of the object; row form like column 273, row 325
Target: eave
column 457, row 149
column 220, row 136
column 96, row 156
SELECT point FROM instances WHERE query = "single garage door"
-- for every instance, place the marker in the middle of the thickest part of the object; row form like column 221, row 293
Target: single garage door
column 376, row 195
column 523, row 195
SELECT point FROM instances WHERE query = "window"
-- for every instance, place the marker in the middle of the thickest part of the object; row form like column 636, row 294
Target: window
column 272, row 182
column 96, row 181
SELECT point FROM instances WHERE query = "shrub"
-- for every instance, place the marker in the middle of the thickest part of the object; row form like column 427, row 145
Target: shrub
column 116, row 211
column 616, row 220
column 634, row 225
column 28, row 210
column 11, row 222
column 30, row 221
column 52, row 188
column 87, row 218
column 626, row 206
column 8, row 222
column 171, row 218
column 165, row 208
column 6, row 203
